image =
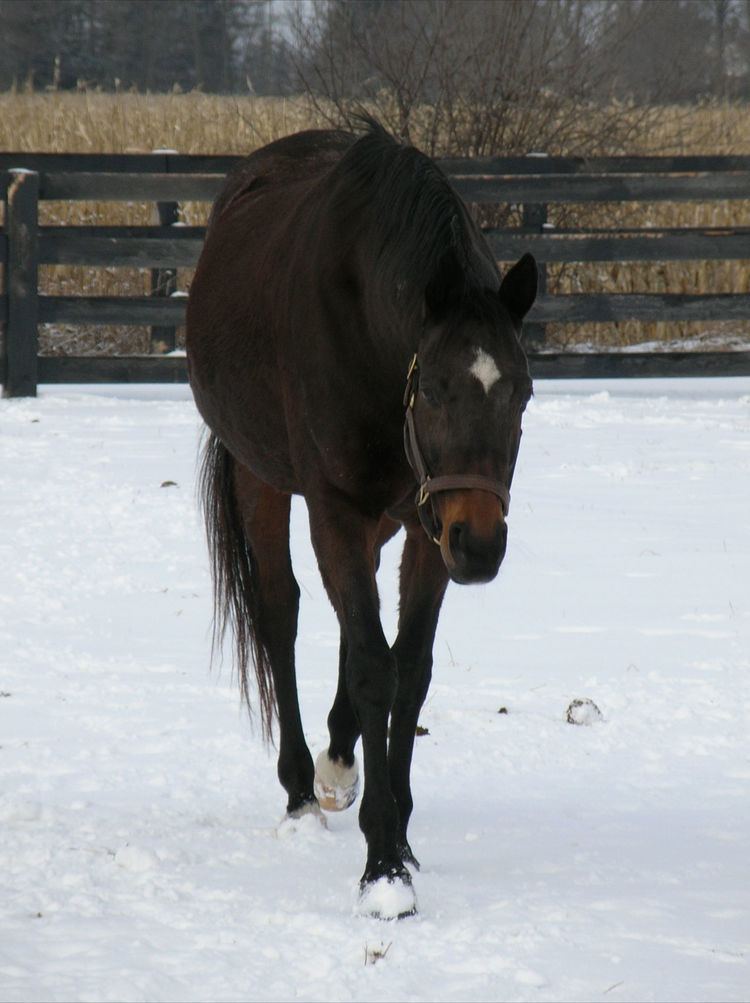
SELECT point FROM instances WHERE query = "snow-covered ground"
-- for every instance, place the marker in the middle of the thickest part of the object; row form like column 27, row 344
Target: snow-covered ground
column 140, row 851
column 705, row 341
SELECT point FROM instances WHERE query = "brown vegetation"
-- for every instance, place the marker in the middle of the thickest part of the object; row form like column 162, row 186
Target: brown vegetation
column 199, row 123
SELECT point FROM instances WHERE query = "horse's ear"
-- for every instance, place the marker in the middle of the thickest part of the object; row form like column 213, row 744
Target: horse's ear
column 518, row 288
column 446, row 286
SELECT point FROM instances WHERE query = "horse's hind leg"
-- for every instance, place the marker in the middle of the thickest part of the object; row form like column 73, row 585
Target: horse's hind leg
column 258, row 594
column 336, row 768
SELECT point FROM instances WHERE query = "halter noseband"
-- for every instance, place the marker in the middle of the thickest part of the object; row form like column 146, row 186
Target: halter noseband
column 431, row 485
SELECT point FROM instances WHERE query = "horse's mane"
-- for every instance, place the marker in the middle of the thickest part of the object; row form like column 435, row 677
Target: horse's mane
column 425, row 238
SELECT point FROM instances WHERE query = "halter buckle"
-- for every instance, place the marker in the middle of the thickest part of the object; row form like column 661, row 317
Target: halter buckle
column 409, row 393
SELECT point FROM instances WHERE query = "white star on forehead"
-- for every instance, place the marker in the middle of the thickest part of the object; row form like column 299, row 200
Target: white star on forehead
column 485, row 369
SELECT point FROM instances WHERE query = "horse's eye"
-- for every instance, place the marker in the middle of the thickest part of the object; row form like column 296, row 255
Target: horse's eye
column 430, row 396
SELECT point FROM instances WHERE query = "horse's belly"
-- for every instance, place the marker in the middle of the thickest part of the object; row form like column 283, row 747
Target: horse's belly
column 234, row 379
column 254, row 434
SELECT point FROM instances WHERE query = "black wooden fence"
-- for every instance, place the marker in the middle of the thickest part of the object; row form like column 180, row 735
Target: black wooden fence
column 529, row 182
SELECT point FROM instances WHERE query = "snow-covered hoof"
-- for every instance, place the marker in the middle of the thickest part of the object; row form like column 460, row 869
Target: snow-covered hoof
column 336, row 786
column 307, row 817
column 389, row 897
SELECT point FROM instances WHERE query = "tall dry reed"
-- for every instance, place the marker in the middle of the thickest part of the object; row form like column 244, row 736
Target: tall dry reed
column 201, row 123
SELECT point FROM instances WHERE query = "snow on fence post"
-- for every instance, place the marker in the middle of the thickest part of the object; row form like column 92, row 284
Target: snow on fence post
column 534, row 219
column 21, row 283
column 164, row 280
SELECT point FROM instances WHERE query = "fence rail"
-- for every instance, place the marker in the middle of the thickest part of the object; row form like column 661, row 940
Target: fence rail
column 529, row 182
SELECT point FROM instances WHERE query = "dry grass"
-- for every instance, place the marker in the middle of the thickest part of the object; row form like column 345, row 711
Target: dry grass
column 198, row 123
column 130, row 123
column 139, row 123
column 688, row 277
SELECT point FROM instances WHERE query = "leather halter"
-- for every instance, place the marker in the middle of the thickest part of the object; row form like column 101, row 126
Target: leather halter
column 431, row 485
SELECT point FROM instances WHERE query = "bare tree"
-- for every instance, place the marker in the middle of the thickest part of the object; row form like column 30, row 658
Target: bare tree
column 212, row 44
column 474, row 77
column 425, row 62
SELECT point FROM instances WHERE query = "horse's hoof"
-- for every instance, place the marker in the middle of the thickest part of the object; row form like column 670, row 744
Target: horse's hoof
column 309, row 808
column 389, row 897
column 307, row 814
column 336, row 786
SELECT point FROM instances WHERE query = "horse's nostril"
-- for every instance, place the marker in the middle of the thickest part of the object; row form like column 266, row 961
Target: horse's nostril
column 457, row 536
column 475, row 557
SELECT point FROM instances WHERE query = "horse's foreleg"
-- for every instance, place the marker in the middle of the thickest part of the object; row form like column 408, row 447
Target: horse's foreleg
column 345, row 542
column 336, row 769
column 265, row 515
column 423, row 583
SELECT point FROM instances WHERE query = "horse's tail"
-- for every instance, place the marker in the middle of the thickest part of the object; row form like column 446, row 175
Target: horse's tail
column 235, row 581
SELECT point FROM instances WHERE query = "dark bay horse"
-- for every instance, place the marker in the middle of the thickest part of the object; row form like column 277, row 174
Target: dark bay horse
column 349, row 339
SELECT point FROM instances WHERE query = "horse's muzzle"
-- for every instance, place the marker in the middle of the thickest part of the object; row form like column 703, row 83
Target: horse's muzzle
column 473, row 538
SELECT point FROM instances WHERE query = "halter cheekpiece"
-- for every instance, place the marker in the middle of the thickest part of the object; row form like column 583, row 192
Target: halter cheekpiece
column 431, row 485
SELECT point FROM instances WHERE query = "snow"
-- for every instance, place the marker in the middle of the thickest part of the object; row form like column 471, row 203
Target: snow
column 583, row 712
column 141, row 856
column 705, row 341
column 388, row 899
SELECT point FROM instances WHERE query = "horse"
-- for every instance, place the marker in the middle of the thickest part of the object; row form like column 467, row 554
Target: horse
column 350, row 340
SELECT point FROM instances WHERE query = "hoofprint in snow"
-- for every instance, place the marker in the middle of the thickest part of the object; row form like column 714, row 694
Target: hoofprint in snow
column 141, row 856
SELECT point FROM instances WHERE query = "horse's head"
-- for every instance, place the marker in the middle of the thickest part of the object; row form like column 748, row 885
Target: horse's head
column 465, row 399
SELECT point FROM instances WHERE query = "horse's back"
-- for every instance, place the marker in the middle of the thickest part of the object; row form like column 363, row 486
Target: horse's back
column 281, row 163
column 238, row 297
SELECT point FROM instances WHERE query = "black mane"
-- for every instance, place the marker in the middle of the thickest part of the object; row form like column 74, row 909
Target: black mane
column 426, row 241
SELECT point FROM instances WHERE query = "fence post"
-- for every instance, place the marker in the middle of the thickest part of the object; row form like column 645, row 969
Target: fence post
column 21, row 283
column 533, row 219
column 164, row 280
